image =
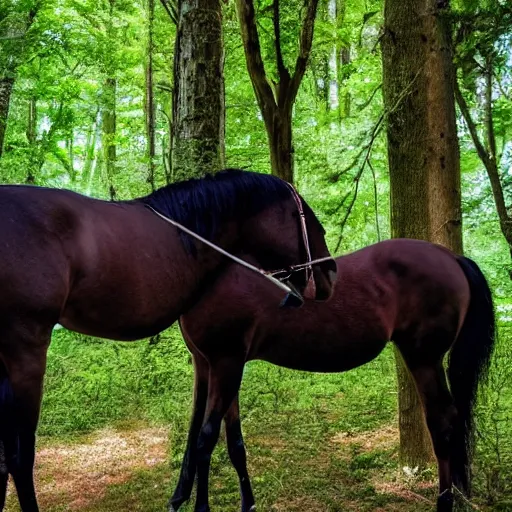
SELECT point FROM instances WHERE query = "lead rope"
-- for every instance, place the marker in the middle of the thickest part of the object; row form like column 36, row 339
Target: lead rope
column 308, row 266
column 245, row 264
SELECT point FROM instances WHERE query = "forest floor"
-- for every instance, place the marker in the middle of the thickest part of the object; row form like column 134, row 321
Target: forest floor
column 121, row 469
column 115, row 417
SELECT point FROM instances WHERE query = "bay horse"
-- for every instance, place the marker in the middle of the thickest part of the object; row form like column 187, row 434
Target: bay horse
column 426, row 299
column 117, row 270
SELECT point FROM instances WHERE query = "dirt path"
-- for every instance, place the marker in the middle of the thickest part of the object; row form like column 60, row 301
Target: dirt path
column 79, row 473
column 105, row 472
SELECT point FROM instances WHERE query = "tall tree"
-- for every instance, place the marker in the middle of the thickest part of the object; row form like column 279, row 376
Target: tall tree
column 342, row 60
column 198, row 95
column 109, row 94
column 149, row 90
column 276, row 101
column 15, row 22
column 484, row 43
column 423, row 156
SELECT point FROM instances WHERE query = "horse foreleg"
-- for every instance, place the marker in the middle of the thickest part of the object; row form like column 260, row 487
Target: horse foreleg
column 185, row 484
column 440, row 414
column 223, row 384
column 25, row 362
column 236, row 449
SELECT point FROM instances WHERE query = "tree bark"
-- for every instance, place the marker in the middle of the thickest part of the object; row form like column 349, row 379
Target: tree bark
column 276, row 104
column 6, row 86
column 150, row 103
column 32, row 121
column 342, row 59
column 71, row 157
column 109, row 132
column 198, row 100
column 109, row 99
column 12, row 60
column 279, row 130
column 90, row 152
column 424, row 162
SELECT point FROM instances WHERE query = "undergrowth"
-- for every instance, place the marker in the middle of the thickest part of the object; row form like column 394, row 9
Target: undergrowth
column 303, row 431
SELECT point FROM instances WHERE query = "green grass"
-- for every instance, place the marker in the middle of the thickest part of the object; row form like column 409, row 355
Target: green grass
column 315, row 442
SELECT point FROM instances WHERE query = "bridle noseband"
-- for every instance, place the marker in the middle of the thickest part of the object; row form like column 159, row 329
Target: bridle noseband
column 307, row 267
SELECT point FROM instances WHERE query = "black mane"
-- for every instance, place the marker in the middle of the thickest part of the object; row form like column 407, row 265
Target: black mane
column 202, row 205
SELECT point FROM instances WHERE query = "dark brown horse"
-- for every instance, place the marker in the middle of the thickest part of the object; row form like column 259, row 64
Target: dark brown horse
column 423, row 297
column 118, row 271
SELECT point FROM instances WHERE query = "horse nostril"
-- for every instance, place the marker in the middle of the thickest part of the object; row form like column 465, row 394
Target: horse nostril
column 332, row 276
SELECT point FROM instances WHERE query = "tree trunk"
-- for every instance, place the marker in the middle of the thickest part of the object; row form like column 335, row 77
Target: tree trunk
column 109, row 132
column 344, row 93
column 6, row 85
column 198, row 111
column 222, row 120
column 423, row 155
column 276, row 105
column 71, row 156
column 108, row 103
column 32, row 121
column 342, row 60
column 150, row 103
column 279, row 129
column 13, row 57
column 90, row 152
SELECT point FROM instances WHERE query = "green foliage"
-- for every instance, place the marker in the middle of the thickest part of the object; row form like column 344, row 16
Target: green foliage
column 92, row 382
column 493, row 464
column 60, row 62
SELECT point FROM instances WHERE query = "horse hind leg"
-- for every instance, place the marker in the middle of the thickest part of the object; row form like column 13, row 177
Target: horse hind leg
column 223, row 384
column 440, row 414
column 185, row 483
column 237, row 454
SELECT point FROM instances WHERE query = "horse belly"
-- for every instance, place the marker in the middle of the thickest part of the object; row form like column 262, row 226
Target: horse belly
column 117, row 317
column 126, row 332
column 323, row 357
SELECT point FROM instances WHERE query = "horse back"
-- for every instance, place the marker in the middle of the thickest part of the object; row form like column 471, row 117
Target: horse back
column 34, row 266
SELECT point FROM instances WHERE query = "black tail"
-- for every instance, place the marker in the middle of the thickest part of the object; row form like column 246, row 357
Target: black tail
column 468, row 367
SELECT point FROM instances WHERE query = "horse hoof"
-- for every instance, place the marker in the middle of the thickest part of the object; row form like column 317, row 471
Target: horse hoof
column 445, row 502
column 253, row 509
column 173, row 507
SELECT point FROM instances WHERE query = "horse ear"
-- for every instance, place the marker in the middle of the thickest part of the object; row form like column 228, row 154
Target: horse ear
column 292, row 300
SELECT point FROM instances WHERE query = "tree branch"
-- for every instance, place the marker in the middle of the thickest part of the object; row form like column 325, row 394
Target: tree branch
column 170, row 9
column 490, row 165
column 489, row 123
column 464, row 108
column 306, row 40
column 504, row 93
column 357, row 179
column 368, row 101
column 250, row 38
column 375, row 200
column 284, row 75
